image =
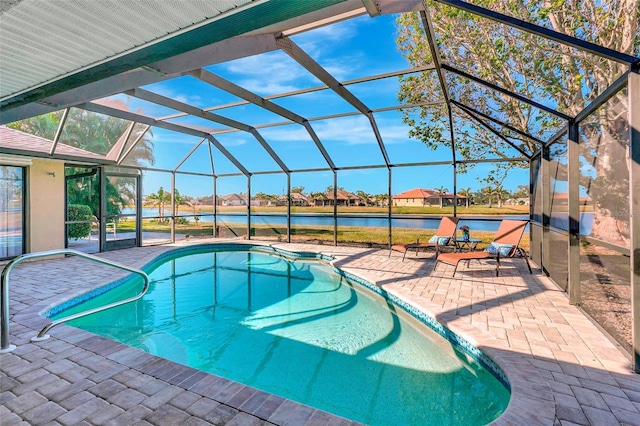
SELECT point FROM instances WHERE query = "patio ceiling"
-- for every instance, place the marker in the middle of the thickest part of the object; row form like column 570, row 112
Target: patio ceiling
column 176, row 75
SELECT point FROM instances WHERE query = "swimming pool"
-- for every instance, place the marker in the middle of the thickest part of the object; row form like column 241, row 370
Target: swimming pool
column 301, row 330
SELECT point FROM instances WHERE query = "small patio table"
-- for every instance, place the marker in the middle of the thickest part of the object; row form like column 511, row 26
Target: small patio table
column 466, row 245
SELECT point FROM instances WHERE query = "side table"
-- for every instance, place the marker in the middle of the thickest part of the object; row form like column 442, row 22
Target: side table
column 466, row 245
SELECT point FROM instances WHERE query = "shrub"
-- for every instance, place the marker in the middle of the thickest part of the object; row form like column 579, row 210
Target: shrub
column 76, row 212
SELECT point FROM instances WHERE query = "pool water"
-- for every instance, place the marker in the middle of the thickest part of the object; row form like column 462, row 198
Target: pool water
column 299, row 330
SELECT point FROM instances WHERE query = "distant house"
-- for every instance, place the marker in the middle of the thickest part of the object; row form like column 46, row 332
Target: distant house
column 232, row 200
column 420, row 197
column 522, row 201
column 297, row 199
column 343, row 198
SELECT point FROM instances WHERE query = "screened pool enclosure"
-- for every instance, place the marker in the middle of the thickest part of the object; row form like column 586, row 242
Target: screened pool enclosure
column 286, row 121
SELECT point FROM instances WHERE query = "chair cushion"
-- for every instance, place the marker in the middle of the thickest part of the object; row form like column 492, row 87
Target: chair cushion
column 442, row 241
column 504, row 249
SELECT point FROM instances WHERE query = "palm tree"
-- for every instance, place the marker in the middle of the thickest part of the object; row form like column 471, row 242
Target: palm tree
column 466, row 192
column 194, row 203
column 381, row 198
column 159, row 199
column 178, row 199
column 319, row 196
column 441, row 191
column 98, row 134
column 489, row 192
column 501, row 194
column 365, row 197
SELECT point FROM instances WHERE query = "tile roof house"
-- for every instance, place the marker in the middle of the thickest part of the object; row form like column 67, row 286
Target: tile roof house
column 343, row 198
column 232, row 200
column 297, row 199
column 420, row 197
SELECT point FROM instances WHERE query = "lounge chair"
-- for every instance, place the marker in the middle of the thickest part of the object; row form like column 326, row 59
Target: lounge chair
column 445, row 232
column 505, row 244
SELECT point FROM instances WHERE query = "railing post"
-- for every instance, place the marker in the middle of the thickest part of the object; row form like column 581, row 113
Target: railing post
column 5, row 346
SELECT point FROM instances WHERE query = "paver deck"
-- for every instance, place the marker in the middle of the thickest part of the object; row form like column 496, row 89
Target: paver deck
column 563, row 370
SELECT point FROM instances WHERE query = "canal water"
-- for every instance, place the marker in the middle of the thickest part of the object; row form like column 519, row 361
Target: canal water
column 478, row 223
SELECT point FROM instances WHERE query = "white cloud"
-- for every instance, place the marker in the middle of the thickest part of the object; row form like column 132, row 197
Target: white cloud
column 350, row 130
column 321, row 40
column 269, row 73
column 290, row 133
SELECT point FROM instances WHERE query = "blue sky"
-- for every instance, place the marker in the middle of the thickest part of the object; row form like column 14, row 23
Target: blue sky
column 350, row 49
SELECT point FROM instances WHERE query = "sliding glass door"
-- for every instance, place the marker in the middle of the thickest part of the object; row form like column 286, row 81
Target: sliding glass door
column 12, row 234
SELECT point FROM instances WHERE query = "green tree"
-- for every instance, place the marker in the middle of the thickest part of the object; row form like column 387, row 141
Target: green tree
column 521, row 192
column 95, row 133
column 44, row 125
column 381, row 198
column 320, row 196
column 501, row 194
column 488, row 192
column 365, row 197
column 466, row 192
column 298, row 189
column 159, row 199
column 178, row 199
column 537, row 68
column 194, row 203
column 441, row 192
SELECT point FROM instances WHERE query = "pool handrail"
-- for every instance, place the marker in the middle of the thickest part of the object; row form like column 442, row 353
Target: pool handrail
column 5, row 346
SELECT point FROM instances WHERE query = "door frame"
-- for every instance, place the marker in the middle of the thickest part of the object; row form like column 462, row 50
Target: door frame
column 128, row 242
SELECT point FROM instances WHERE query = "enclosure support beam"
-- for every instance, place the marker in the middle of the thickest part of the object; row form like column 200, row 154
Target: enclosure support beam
column 301, row 57
column 389, row 171
column 546, row 209
column 454, row 164
column 288, row 207
column 173, row 207
column 248, row 207
column 234, row 89
column 103, row 209
column 122, row 156
column 56, row 138
column 573, row 166
column 335, row 208
column 634, row 209
column 494, row 131
column 139, row 201
column 543, row 32
column 507, row 92
column 216, row 233
column 496, row 121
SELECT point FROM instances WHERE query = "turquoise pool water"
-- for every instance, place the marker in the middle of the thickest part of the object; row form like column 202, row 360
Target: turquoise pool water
column 300, row 330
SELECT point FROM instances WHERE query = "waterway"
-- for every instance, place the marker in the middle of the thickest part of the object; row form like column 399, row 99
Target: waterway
column 476, row 222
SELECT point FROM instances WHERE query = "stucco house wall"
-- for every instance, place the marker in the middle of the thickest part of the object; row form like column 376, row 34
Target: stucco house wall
column 45, row 205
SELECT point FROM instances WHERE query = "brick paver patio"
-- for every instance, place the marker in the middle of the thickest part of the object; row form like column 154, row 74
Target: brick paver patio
column 562, row 368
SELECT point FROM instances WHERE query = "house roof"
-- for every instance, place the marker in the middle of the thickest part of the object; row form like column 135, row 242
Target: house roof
column 16, row 142
column 230, row 197
column 346, row 195
column 415, row 193
column 423, row 193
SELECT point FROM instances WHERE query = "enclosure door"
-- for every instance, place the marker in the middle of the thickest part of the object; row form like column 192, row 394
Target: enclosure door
column 121, row 215
column 11, row 211
column 82, row 215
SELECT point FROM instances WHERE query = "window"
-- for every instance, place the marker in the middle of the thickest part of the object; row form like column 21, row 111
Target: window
column 11, row 211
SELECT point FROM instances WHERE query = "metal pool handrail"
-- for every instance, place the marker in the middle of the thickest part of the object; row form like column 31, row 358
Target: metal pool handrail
column 4, row 293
